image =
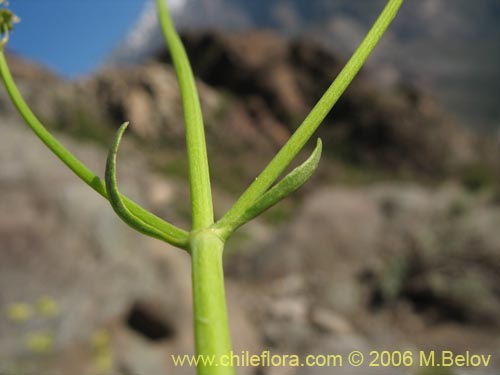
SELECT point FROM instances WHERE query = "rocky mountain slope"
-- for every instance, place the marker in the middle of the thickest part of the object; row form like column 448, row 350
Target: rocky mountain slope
column 446, row 47
column 256, row 88
column 83, row 293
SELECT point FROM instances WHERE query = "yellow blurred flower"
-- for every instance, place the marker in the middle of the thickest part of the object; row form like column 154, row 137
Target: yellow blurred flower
column 103, row 363
column 19, row 312
column 100, row 339
column 47, row 306
column 39, row 342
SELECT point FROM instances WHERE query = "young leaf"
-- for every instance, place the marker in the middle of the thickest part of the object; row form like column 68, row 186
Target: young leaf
column 289, row 184
column 115, row 197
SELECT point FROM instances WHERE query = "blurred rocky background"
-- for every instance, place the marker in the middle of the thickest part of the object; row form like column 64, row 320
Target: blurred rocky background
column 446, row 47
column 394, row 244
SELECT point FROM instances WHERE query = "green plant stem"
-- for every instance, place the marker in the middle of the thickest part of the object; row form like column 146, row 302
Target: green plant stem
column 199, row 176
column 209, row 302
column 210, row 313
column 297, row 141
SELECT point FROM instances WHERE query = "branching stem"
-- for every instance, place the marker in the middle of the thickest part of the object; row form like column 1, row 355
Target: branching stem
column 297, row 141
column 205, row 241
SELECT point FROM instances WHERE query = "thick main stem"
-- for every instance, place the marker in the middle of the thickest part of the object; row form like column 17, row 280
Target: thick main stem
column 211, row 327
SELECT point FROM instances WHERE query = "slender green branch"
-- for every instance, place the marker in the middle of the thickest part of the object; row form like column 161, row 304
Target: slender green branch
column 297, row 141
column 173, row 235
column 199, row 177
column 289, row 184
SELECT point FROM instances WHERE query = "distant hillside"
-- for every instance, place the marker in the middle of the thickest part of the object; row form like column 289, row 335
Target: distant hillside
column 447, row 47
column 255, row 89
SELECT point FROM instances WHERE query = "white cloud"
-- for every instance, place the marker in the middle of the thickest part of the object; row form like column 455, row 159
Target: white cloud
column 145, row 36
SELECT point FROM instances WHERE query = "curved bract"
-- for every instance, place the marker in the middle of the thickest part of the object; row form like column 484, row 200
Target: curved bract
column 117, row 201
column 289, row 184
column 205, row 240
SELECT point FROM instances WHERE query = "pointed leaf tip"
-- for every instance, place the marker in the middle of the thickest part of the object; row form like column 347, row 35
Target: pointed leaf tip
column 115, row 197
column 289, row 184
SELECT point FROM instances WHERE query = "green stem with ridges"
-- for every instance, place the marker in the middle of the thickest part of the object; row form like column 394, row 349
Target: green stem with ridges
column 199, row 176
column 206, row 248
column 209, row 302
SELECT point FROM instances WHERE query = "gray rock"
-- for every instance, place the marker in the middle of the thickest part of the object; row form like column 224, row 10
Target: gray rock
column 71, row 270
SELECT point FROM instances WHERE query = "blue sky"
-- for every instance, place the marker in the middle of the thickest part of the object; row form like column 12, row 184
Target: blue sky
column 71, row 37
